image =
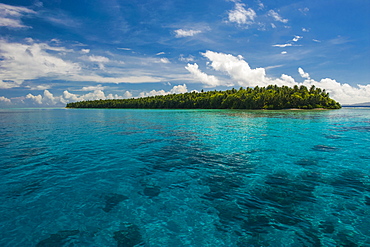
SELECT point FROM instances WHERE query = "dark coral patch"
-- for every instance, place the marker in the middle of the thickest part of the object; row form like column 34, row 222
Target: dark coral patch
column 129, row 236
column 307, row 162
column 152, row 191
column 113, row 200
column 60, row 238
column 367, row 200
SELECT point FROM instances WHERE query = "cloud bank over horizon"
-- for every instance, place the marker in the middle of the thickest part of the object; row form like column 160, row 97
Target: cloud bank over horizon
column 47, row 99
column 238, row 71
column 241, row 74
column 235, row 67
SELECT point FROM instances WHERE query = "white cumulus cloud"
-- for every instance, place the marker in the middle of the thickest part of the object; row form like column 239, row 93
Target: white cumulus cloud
column 208, row 80
column 342, row 92
column 48, row 99
column 303, row 74
column 235, row 67
column 179, row 89
column 4, row 99
column 34, row 98
column 127, row 95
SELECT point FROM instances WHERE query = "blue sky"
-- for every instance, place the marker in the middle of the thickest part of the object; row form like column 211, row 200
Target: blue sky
column 57, row 51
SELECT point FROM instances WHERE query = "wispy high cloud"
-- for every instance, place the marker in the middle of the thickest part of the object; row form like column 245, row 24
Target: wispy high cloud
column 277, row 17
column 240, row 15
column 85, row 51
column 117, row 79
column 296, row 38
column 31, row 61
column 180, row 33
column 190, row 58
column 99, row 59
column 291, row 43
column 162, row 60
column 62, row 18
column 260, row 5
column 304, row 10
column 93, row 88
column 282, row 45
column 38, row 87
column 10, row 16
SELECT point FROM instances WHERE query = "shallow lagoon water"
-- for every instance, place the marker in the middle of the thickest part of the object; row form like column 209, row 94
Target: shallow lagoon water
column 101, row 177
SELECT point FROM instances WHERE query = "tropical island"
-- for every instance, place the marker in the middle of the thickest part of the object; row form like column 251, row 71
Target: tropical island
column 271, row 97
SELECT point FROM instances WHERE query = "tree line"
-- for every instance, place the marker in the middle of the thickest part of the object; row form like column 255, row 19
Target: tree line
column 271, row 97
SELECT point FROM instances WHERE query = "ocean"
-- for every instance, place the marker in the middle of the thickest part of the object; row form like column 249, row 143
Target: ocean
column 137, row 177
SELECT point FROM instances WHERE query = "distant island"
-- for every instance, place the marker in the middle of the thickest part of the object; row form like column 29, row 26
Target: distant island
column 365, row 104
column 271, row 97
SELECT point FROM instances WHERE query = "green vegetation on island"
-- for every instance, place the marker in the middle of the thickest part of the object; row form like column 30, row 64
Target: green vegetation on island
column 270, row 97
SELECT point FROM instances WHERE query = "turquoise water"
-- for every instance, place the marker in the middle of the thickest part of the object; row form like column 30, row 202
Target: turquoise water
column 83, row 177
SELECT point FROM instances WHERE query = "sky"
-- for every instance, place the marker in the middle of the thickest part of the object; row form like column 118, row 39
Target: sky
column 57, row 51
